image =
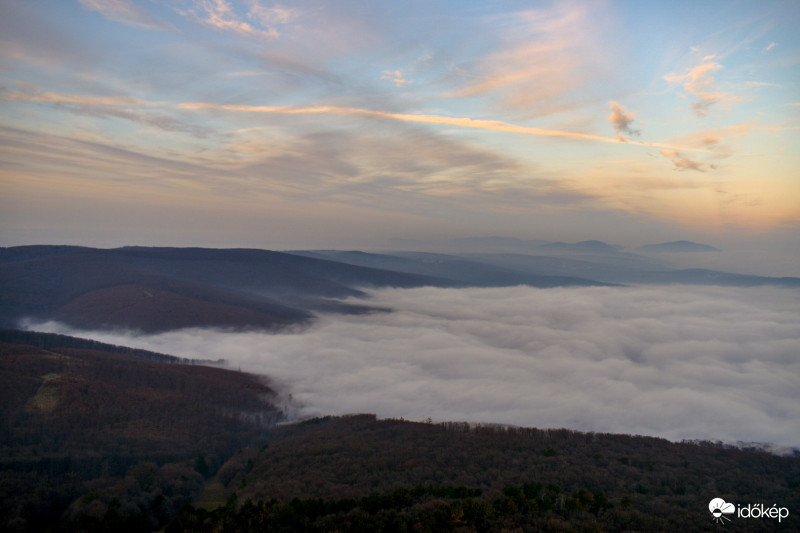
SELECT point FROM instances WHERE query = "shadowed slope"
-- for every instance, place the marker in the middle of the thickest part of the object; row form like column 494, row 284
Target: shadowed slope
column 158, row 289
column 150, row 309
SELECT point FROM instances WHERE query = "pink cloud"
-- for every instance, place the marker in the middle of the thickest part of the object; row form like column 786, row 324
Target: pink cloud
column 682, row 162
column 125, row 12
column 221, row 15
column 699, row 81
column 621, row 120
column 546, row 54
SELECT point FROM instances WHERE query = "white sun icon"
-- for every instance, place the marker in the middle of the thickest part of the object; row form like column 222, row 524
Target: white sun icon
column 719, row 508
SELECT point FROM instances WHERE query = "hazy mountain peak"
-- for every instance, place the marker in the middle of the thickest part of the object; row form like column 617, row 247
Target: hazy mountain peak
column 678, row 247
column 591, row 246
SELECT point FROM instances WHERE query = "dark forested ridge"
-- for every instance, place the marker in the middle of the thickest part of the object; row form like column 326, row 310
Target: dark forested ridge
column 158, row 289
column 77, row 420
column 357, row 473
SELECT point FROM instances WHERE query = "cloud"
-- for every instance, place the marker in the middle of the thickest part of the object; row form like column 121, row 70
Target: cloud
column 681, row 362
column 267, row 16
column 103, row 106
column 396, row 77
column 125, row 12
column 29, row 93
column 699, row 81
column 161, row 122
column 682, row 162
column 759, row 84
column 389, row 168
column 92, row 166
column 26, row 92
column 463, row 122
column 770, row 46
column 404, row 172
column 542, row 56
column 621, row 121
column 27, row 37
column 221, row 15
column 715, row 141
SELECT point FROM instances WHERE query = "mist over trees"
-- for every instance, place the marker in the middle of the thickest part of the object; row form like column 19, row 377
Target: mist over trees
column 715, row 363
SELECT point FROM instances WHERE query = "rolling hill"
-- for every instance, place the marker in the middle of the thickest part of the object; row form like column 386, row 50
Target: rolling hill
column 158, row 289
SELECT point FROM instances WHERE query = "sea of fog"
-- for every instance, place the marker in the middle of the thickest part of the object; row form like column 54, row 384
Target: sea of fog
column 680, row 362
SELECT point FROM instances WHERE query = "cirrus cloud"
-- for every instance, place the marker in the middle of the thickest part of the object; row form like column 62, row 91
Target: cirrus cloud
column 543, row 56
column 125, row 12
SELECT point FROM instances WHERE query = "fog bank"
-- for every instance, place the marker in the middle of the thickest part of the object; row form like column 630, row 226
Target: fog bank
column 681, row 362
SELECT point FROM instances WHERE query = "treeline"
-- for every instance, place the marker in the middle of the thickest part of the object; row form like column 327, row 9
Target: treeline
column 48, row 341
column 646, row 479
column 531, row 506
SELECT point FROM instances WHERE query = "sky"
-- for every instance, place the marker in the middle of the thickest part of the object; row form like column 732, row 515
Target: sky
column 344, row 124
column 678, row 362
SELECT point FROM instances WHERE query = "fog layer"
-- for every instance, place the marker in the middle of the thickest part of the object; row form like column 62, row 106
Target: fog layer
column 678, row 362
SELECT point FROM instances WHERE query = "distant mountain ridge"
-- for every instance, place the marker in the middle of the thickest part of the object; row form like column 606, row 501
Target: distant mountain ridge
column 160, row 289
column 594, row 247
column 500, row 245
column 464, row 270
column 550, row 268
column 678, row 247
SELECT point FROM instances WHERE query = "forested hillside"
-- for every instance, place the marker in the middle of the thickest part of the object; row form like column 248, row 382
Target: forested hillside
column 76, row 421
column 374, row 473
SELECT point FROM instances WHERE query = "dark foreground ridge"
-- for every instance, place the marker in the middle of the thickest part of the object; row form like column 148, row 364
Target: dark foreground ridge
column 77, row 421
column 357, row 473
